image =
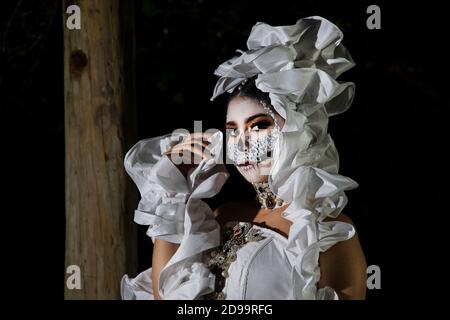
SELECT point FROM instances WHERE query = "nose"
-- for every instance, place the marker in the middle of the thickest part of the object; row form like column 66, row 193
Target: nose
column 243, row 143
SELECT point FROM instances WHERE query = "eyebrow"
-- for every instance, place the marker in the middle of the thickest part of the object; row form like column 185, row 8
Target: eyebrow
column 250, row 118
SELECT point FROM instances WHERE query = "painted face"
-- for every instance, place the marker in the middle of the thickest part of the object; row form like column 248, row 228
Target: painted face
column 251, row 136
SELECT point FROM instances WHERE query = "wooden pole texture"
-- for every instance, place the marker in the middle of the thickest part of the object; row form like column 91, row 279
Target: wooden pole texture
column 99, row 129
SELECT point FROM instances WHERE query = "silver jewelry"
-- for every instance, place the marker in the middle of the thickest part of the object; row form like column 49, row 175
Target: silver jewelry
column 266, row 197
column 241, row 85
column 258, row 149
column 271, row 113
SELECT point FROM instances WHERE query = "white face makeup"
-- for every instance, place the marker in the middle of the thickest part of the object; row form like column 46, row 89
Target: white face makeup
column 252, row 135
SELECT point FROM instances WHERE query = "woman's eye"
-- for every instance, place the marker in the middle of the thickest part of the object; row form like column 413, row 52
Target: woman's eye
column 261, row 125
column 233, row 132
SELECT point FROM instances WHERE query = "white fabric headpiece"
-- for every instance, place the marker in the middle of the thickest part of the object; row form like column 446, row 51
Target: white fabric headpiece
column 297, row 65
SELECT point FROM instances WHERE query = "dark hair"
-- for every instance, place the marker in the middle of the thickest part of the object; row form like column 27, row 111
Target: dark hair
column 249, row 90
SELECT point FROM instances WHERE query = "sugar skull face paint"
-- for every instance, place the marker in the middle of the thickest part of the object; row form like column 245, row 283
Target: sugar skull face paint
column 259, row 147
column 252, row 132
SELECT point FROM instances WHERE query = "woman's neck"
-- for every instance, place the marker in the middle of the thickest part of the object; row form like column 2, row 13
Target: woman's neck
column 266, row 198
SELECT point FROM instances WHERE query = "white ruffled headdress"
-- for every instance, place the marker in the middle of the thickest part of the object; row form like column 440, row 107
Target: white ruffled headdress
column 297, row 66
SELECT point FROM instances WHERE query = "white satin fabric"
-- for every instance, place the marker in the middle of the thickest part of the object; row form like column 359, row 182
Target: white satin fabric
column 297, row 65
column 273, row 268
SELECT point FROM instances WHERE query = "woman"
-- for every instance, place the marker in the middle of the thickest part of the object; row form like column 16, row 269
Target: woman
column 293, row 242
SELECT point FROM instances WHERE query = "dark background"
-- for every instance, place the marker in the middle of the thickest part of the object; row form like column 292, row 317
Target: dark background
column 388, row 140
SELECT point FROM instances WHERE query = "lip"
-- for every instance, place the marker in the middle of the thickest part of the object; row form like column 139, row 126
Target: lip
column 247, row 166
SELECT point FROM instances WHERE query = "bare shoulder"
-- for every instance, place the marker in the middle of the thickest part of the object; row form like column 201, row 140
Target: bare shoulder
column 342, row 218
column 343, row 266
column 350, row 244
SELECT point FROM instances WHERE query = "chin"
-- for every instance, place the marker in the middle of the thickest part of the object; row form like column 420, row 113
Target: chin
column 255, row 173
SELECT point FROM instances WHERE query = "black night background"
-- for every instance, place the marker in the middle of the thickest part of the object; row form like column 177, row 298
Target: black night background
column 388, row 141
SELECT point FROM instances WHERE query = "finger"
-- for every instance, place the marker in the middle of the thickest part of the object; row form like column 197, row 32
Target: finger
column 194, row 156
column 189, row 143
column 194, row 147
column 193, row 152
column 185, row 144
column 201, row 136
column 199, row 153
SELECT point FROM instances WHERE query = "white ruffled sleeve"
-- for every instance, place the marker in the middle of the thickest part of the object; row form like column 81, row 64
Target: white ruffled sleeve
column 171, row 206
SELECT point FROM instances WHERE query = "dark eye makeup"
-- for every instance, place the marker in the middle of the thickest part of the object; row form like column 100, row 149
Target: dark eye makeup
column 263, row 124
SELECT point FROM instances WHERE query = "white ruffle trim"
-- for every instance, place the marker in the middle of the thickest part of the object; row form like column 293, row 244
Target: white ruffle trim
column 314, row 194
column 171, row 206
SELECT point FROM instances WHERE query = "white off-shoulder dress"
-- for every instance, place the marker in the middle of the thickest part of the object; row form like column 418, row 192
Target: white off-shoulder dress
column 269, row 266
column 298, row 66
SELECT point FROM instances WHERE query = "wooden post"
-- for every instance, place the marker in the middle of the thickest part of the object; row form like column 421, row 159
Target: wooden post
column 99, row 129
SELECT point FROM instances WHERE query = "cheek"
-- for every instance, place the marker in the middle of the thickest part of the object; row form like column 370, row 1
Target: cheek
column 231, row 141
column 256, row 135
column 230, row 147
